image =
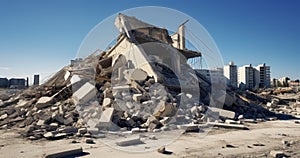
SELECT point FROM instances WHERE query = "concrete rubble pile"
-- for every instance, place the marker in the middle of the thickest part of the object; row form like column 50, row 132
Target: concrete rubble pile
column 112, row 91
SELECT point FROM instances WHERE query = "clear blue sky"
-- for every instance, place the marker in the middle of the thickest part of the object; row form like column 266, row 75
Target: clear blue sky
column 38, row 36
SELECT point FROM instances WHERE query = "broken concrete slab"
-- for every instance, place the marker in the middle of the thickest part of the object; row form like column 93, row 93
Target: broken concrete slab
column 43, row 102
column 106, row 117
column 135, row 74
column 130, row 141
column 84, row 93
column 224, row 125
column 223, row 113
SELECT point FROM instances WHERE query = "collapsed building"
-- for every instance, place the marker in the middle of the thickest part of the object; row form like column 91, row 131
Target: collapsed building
column 143, row 83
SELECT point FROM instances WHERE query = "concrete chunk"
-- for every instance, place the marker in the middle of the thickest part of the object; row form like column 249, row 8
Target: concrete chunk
column 106, row 102
column 277, row 154
column 43, row 102
column 106, row 116
column 137, row 97
column 84, row 93
column 223, row 113
column 135, row 74
column 130, row 141
column 224, row 125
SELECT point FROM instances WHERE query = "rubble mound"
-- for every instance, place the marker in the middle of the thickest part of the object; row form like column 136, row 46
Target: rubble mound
column 121, row 90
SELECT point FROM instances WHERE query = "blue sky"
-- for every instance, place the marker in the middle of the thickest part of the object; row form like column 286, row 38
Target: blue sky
column 40, row 37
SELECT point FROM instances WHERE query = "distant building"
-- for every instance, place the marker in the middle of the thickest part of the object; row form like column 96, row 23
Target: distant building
column 283, row 82
column 214, row 75
column 293, row 83
column 36, row 79
column 231, row 74
column 4, row 83
column 262, row 76
column 246, row 77
column 17, row 83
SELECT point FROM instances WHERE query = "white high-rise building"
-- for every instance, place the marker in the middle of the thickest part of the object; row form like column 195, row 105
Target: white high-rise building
column 262, row 76
column 231, row 74
column 246, row 77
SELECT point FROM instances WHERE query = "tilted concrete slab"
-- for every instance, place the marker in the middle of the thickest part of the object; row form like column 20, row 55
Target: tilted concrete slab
column 85, row 93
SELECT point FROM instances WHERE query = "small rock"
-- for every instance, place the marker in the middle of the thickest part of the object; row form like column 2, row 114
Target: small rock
column 48, row 135
column 156, row 130
column 88, row 135
column 4, row 116
column 241, row 117
column 152, row 137
column 277, row 154
column 135, row 130
column 82, row 130
column 89, row 141
column 32, row 138
column 40, row 122
column 161, row 150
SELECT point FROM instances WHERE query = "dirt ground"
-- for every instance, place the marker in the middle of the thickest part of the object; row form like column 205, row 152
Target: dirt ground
column 219, row 142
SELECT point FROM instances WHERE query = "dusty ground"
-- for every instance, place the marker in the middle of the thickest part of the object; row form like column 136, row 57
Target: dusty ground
column 256, row 142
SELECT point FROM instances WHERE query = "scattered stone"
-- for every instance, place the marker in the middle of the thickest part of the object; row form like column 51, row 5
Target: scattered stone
column 232, row 121
column 277, row 154
column 223, row 113
column 105, row 119
column 161, row 150
column 156, row 130
column 137, row 97
column 89, row 141
column 135, row 130
column 82, row 130
column 130, row 141
column 4, row 116
column 43, row 102
column 49, row 135
column 152, row 137
column 106, row 102
column 224, row 125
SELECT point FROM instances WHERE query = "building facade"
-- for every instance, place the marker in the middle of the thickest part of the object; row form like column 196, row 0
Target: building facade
column 231, row 74
column 246, row 77
column 4, row 83
column 17, row 83
column 262, row 76
column 36, row 79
